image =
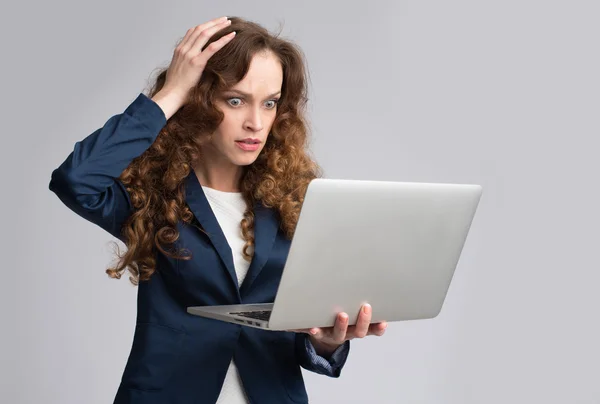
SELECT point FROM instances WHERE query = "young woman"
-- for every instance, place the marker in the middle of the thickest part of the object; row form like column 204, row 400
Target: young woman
column 203, row 180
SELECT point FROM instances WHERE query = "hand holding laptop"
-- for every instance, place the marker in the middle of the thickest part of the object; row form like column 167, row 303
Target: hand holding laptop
column 328, row 339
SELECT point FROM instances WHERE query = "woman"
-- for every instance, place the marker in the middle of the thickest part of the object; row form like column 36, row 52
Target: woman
column 203, row 180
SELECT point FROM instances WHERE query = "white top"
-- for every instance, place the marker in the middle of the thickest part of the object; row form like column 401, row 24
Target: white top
column 229, row 208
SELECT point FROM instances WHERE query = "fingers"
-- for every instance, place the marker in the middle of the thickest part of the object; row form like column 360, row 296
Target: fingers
column 335, row 334
column 377, row 329
column 340, row 328
column 361, row 328
column 191, row 34
column 341, row 331
column 215, row 47
column 201, row 37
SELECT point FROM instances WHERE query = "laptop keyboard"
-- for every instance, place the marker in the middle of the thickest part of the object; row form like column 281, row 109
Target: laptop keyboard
column 259, row 315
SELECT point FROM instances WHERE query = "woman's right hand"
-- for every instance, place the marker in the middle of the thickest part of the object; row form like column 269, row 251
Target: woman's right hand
column 188, row 61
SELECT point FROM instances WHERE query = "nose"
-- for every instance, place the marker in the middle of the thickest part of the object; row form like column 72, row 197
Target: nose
column 254, row 121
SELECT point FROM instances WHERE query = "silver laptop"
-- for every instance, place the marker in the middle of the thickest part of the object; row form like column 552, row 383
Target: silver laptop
column 394, row 245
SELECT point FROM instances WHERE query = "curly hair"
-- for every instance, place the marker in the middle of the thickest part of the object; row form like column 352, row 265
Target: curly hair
column 278, row 178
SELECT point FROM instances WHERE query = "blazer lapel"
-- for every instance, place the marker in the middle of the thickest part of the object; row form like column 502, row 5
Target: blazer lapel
column 265, row 231
column 266, row 225
column 196, row 200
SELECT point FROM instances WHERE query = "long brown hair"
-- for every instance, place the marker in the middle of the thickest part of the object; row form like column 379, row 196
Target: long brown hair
column 278, row 178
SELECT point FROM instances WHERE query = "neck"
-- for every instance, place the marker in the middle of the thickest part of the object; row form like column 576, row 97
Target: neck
column 222, row 176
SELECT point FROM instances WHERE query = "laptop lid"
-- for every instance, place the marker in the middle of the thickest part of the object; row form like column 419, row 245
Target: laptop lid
column 394, row 245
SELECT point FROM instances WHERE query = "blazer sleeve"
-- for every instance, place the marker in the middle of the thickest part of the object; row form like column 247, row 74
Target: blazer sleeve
column 87, row 181
column 310, row 360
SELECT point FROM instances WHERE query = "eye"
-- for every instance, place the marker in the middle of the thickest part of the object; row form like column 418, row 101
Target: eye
column 274, row 103
column 229, row 101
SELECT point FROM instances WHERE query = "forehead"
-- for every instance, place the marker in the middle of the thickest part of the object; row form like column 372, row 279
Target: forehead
column 265, row 75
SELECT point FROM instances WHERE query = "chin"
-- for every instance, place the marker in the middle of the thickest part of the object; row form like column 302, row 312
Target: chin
column 245, row 161
column 244, row 158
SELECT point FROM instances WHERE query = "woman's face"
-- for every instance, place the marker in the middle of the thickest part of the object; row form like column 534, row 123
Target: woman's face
column 249, row 109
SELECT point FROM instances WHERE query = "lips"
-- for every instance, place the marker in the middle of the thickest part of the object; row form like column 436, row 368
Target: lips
column 247, row 145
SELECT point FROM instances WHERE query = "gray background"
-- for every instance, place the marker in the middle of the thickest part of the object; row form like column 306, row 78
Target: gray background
column 504, row 94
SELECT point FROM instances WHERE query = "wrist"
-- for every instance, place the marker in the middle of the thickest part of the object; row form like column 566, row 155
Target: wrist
column 323, row 349
column 169, row 101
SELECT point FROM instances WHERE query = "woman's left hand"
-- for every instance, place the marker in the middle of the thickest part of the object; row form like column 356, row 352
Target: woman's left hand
column 326, row 340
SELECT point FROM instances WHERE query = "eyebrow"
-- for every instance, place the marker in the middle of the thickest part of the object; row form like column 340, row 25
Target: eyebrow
column 249, row 95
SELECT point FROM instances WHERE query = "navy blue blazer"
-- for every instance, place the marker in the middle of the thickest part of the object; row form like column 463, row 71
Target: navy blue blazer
column 178, row 358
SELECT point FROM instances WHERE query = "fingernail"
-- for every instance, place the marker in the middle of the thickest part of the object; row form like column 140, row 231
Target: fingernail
column 313, row 331
column 344, row 316
column 367, row 308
